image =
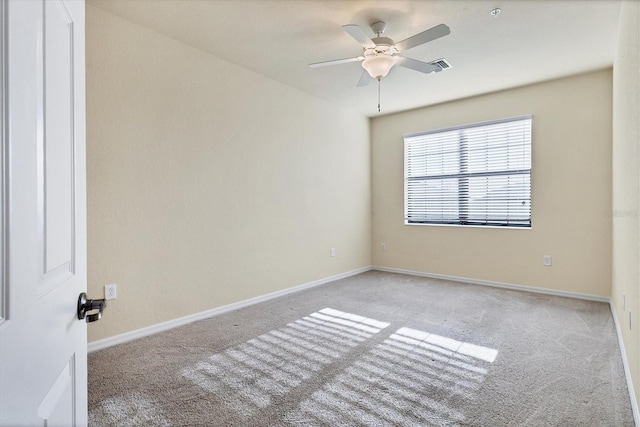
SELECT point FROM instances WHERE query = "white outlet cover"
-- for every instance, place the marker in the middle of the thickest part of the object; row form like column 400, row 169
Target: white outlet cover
column 110, row 292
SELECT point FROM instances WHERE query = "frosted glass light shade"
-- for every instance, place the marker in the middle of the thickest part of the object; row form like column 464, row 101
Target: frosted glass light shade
column 378, row 66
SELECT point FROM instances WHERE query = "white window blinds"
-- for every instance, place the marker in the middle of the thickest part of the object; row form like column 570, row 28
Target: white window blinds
column 470, row 175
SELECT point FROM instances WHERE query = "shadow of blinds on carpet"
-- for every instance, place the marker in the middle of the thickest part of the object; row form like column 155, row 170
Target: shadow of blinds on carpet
column 399, row 382
column 275, row 363
column 413, row 377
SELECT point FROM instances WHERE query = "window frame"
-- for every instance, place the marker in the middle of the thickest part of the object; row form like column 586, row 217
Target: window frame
column 460, row 222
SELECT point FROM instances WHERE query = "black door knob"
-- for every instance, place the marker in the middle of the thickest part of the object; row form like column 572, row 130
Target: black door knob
column 85, row 305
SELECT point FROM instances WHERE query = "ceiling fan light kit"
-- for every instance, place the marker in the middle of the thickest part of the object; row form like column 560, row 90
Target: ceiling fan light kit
column 378, row 66
column 380, row 54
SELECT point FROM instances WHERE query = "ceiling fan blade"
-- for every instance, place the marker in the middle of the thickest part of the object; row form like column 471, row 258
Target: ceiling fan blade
column 356, row 32
column 336, row 61
column 424, row 37
column 423, row 67
column 365, row 78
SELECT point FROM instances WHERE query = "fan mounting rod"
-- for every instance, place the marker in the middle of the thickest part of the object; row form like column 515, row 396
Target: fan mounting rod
column 382, row 45
column 378, row 28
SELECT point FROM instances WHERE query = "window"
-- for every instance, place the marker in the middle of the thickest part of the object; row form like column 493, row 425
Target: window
column 476, row 174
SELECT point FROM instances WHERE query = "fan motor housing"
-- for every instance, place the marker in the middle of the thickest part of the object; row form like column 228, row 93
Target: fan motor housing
column 383, row 40
column 384, row 46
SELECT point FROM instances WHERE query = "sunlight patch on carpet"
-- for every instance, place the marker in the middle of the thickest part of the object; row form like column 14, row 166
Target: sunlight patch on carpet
column 413, row 378
column 275, row 363
column 132, row 410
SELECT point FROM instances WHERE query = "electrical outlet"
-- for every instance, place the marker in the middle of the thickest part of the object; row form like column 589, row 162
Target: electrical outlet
column 383, row 246
column 110, row 291
column 546, row 260
column 332, row 252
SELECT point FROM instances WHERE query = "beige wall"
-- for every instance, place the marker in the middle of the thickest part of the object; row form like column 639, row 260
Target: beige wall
column 571, row 191
column 626, row 183
column 209, row 184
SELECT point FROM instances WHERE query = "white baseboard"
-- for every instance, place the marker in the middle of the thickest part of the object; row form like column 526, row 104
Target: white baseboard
column 625, row 363
column 154, row 329
column 533, row 289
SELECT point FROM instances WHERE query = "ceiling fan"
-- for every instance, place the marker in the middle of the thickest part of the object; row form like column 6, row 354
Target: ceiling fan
column 380, row 54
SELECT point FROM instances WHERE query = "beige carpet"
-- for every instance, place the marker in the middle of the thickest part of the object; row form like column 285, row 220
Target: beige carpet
column 376, row 349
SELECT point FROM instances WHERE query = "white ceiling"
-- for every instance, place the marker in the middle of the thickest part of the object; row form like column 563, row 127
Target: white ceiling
column 530, row 41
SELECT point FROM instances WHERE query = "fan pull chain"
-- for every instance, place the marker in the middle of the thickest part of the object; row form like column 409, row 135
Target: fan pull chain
column 379, row 94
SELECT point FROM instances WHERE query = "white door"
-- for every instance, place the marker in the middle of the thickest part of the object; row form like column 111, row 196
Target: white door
column 43, row 350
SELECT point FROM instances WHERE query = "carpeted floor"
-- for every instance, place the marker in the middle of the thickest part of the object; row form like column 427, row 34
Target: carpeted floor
column 374, row 349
